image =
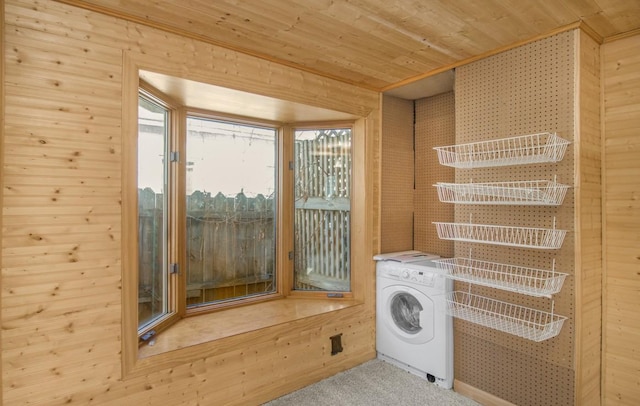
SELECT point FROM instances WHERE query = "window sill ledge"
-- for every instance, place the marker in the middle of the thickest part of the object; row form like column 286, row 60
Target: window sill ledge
column 209, row 334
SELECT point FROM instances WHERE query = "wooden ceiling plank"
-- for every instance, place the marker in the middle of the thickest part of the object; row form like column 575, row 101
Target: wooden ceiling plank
column 616, row 17
column 488, row 25
column 345, row 52
column 59, row 27
column 480, row 56
column 343, row 33
column 418, row 26
column 400, row 48
column 304, row 33
column 582, row 8
column 371, row 43
column 386, row 35
column 211, row 19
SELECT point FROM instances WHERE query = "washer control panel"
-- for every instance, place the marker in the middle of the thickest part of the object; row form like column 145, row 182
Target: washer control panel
column 421, row 277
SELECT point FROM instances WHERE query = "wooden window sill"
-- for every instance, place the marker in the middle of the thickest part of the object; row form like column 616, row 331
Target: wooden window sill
column 208, row 333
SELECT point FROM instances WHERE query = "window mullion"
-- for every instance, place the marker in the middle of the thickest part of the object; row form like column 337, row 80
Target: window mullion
column 178, row 212
column 285, row 210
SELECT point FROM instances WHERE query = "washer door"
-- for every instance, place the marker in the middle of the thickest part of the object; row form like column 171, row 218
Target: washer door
column 408, row 314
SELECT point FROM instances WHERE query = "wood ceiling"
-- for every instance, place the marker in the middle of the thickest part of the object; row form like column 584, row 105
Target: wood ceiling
column 377, row 44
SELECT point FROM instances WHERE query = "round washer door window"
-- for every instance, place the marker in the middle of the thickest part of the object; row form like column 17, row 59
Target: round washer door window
column 405, row 311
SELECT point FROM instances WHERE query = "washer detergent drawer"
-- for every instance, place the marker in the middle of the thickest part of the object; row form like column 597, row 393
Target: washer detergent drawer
column 408, row 314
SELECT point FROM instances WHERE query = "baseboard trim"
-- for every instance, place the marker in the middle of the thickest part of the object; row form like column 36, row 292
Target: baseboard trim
column 478, row 395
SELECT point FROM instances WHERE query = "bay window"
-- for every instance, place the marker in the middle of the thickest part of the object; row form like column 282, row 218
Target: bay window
column 211, row 212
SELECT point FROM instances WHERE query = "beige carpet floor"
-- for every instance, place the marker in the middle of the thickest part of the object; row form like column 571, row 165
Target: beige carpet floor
column 374, row 383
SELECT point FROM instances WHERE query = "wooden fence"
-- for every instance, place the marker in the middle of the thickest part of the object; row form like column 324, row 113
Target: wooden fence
column 230, row 247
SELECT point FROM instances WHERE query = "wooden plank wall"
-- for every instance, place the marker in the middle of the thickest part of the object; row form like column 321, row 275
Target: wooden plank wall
column 588, row 193
column 621, row 168
column 1, row 161
column 61, row 275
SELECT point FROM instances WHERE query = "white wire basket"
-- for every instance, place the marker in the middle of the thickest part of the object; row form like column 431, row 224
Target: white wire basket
column 513, row 319
column 533, row 192
column 524, row 237
column 524, row 149
column 519, row 279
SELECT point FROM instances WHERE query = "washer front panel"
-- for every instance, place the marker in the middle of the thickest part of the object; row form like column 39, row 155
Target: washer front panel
column 408, row 314
column 412, row 327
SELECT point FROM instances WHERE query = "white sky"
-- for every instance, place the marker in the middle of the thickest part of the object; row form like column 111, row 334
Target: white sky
column 221, row 157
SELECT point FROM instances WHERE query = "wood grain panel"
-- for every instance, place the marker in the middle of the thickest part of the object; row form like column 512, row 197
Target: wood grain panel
column 57, row 273
column 62, row 268
column 2, row 130
column 621, row 169
column 372, row 43
column 198, row 60
column 373, row 158
column 588, row 204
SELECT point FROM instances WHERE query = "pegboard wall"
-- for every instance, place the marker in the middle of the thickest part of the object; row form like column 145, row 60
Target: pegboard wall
column 396, row 186
column 435, row 126
column 526, row 90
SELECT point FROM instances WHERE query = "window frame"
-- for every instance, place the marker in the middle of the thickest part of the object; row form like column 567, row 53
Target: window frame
column 279, row 254
column 135, row 364
column 322, row 125
column 130, row 213
column 176, row 289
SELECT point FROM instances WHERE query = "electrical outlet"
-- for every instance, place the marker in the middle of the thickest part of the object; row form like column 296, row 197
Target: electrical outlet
column 336, row 344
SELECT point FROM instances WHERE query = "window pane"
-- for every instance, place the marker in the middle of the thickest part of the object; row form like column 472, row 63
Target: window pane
column 152, row 216
column 230, row 186
column 322, row 209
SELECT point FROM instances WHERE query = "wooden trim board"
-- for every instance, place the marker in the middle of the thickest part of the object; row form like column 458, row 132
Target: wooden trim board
column 624, row 35
column 2, row 130
column 484, row 55
column 478, row 395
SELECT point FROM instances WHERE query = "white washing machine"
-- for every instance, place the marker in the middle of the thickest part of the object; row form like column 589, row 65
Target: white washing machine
column 413, row 330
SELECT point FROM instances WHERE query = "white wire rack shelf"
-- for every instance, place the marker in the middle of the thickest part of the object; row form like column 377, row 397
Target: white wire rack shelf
column 513, row 319
column 533, row 192
column 519, row 279
column 524, row 149
column 524, row 237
